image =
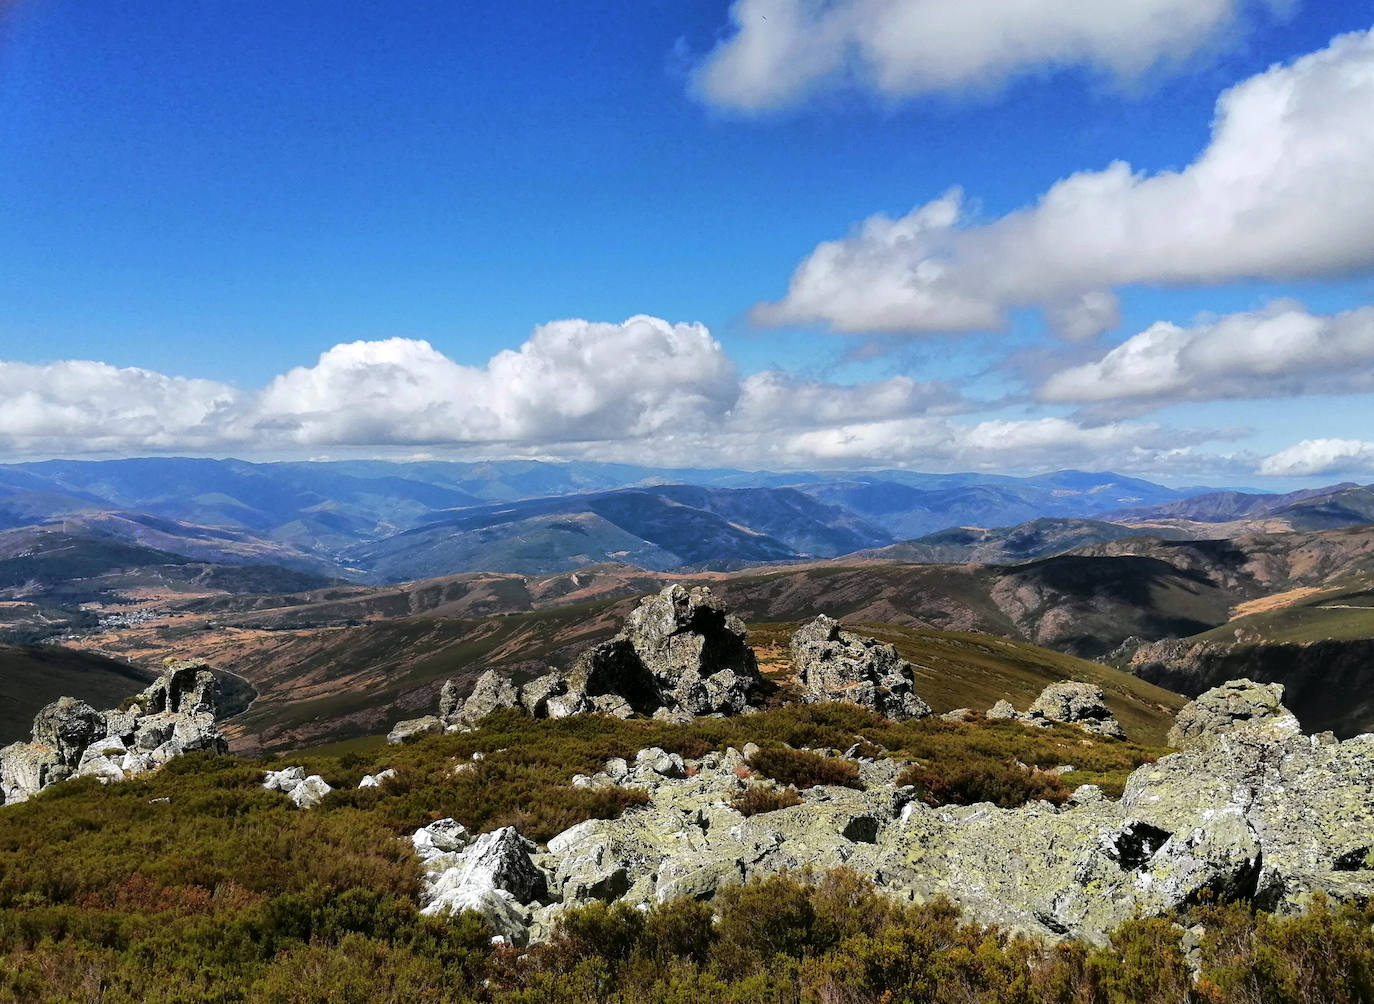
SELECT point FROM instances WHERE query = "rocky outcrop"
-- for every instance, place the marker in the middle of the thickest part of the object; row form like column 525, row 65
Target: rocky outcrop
column 1261, row 813
column 176, row 714
column 1067, row 702
column 1214, row 715
column 681, row 654
column 1074, row 703
column 492, row 874
column 306, row 792
column 414, row 728
column 837, row 665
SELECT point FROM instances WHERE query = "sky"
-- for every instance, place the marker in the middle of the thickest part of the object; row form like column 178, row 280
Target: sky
column 771, row 234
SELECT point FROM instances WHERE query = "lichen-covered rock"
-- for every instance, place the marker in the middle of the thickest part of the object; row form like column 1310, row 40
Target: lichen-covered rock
column 837, row 665
column 306, row 792
column 174, row 715
column 535, row 695
column 449, row 701
column 1237, row 703
column 493, row 875
column 28, row 768
column 1075, row 703
column 69, row 726
column 681, row 654
column 378, row 779
column 1261, row 813
column 186, row 687
column 493, row 691
column 1001, row 711
column 414, row 728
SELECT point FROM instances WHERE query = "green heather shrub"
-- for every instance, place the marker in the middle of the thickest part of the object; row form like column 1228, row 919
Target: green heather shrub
column 1007, row 785
column 758, row 798
column 228, row 893
column 801, row 769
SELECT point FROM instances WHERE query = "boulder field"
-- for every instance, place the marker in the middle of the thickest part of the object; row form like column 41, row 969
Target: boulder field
column 1252, row 809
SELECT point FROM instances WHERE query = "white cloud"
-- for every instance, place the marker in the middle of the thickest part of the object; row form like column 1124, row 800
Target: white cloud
column 1029, row 444
column 1321, row 456
column 92, row 407
column 780, row 51
column 1281, row 192
column 1281, row 351
column 645, row 391
column 573, row 380
column 773, row 400
column 644, row 381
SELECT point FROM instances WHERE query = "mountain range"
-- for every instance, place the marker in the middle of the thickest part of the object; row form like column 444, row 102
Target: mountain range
column 374, row 521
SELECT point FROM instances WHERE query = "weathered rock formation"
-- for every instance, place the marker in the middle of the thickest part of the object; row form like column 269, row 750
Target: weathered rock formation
column 1326, row 682
column 1215, row 714
column 681, row 654
column 1262, row 812
column 1067, row 702
column 174, row 715
column 492, row 874
column 837, row 665
column 1075, row 703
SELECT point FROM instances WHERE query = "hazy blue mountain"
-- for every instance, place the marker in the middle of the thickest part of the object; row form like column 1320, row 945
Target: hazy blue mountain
column 659, row 527
column 380, row 519
column 1331, row 507
column 1038, row 538
column 911, row 506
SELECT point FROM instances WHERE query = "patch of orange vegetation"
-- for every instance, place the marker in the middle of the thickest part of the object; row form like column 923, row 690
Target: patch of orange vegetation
column 1276, row 601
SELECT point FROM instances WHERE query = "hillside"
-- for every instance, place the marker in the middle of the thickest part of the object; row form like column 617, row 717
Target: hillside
column 1328, row 508
column 1037, row 538
column 323, row 683
column 1318, row 641
column 33, row 676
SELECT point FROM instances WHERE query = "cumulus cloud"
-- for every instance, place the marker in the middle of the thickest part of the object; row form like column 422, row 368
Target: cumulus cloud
column 573, row 380
column 645, row 381
column 1281, row 351
column 1280, row 192
column 780, row 51
column 92, row 407
column 773, row 400
column 1321, row 456
column 644, row 391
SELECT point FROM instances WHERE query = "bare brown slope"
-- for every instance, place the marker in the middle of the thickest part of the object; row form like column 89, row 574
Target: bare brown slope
column 352, row 660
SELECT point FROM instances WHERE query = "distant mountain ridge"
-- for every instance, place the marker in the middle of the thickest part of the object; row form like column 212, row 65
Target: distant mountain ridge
column 380, row 521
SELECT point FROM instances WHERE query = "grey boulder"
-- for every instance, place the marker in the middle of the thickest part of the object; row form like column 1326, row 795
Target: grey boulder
column 837, row 665
column 1235, row 704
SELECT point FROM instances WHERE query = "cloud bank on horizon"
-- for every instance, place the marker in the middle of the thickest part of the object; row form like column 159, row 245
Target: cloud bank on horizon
column 645, row 390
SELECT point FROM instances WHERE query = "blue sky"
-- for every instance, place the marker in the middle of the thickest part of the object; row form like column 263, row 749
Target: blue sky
column 200, row 198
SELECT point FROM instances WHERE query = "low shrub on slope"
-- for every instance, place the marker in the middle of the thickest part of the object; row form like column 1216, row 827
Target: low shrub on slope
column 194, row 883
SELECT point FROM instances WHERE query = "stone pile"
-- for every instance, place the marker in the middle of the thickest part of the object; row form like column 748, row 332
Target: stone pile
column 1262, row 812
column 837, row 665
column 306, row 792
column 176, row 714
column 680, row 655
